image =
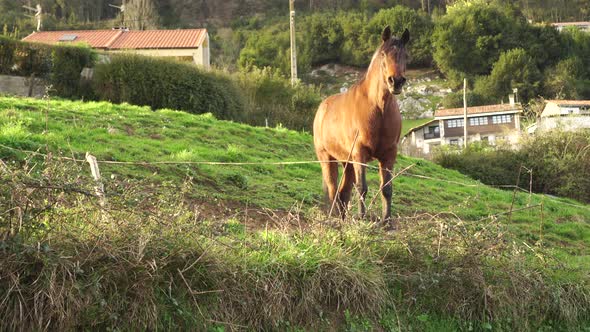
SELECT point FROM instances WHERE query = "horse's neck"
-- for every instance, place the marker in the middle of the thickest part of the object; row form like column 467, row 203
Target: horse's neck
column 375, row 87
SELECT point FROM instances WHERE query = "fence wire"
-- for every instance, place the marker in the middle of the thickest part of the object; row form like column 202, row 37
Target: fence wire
column 278, row 163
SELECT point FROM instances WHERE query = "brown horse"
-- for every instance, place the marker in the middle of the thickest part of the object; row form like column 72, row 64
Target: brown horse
column 363, row 124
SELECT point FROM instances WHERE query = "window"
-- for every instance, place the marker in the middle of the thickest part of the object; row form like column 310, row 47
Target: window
column 68, row 37
column 433, row 130
column 455, row 123
column 479, row 121
column 498, row 119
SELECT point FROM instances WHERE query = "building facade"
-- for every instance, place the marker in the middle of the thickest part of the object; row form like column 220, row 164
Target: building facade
column 583, row 26
column 563, row 114
column 490, row 123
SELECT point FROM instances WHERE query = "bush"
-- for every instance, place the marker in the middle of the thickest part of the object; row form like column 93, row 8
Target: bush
column 60, row 65
column 160, row 83
column 252, row 97
column 149, row 260
column 559, row 161
column 271, row 97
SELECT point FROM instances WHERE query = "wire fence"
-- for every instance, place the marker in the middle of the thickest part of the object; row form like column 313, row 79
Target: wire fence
column 403, row 172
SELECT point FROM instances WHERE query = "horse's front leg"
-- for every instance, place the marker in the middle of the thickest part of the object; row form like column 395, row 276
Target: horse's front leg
column 361, row 181
column 385, row 171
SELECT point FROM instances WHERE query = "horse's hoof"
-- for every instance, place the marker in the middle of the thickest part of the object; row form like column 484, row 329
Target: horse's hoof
column 389, row 224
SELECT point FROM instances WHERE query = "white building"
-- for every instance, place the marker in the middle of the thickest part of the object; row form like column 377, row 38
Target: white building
column 584, row 26
column 563, row 114
column 490, row 123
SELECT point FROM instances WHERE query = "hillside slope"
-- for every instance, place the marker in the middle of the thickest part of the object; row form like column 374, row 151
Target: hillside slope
column 129, row 133
column 160, row 244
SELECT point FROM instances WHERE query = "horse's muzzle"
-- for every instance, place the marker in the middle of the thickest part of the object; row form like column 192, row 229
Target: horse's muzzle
column 395, row 84
column 398, row 83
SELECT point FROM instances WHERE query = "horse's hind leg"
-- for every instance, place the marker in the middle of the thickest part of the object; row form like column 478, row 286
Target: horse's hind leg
column 345, row 190
column 329, row 176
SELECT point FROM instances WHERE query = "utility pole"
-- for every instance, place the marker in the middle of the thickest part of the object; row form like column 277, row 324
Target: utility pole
column 38, row 15
column 465, row 113
column 293, row 46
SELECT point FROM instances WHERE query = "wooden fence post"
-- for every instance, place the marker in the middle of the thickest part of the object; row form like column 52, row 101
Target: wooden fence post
column 99, row 187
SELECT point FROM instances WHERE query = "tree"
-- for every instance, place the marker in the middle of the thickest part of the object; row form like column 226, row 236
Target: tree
column 324, row 37
column 470, row 38
column 141, row 15
column 400, row 18
column 567, row 80
column 514, row 69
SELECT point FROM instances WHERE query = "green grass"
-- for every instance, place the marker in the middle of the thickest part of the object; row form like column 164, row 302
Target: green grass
column 426, row 197
column 131, row 133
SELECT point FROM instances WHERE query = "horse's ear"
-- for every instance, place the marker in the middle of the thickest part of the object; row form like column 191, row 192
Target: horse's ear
column 386, row 34
column 406, row 37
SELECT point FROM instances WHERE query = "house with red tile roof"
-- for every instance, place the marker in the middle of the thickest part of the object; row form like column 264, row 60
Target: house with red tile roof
column 489, row 123
column 183, row 44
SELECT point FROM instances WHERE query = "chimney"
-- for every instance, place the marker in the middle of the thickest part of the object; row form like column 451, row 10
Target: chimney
column 511, row 98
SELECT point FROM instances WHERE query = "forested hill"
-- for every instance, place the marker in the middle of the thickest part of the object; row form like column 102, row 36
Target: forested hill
column 142, row 14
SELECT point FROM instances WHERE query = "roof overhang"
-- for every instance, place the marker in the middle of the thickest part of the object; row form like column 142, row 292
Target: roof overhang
column 421, row 126
column 474, row 115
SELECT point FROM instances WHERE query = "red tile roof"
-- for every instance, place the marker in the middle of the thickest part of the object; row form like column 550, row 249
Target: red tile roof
column 94, row 38
column 121, row 39
column 478, row 110
column 160, row 39
column 570, row 102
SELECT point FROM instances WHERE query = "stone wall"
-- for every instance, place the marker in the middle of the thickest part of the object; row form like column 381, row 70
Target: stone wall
column 21, row 86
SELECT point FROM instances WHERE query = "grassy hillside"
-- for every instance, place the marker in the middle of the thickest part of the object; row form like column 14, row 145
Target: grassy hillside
column 449, row 225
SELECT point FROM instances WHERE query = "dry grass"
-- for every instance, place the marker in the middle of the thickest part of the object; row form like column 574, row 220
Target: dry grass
column 148, row 260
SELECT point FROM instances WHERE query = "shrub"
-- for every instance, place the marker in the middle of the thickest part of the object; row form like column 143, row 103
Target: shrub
column 149, row 259
column 160, row 83
column 271, row 97
column 559, row 162
column 60, row 65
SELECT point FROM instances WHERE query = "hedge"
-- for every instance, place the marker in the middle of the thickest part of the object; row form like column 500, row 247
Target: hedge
column 559, row 160
column 60, row 65
column 161, row 83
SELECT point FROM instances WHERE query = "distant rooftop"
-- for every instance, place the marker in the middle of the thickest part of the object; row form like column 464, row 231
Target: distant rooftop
column 516, row 108
column 567, row 24
column 124, row 39
column 570, row 102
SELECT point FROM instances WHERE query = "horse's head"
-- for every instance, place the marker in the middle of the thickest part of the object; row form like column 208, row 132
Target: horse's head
column 393, row 59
